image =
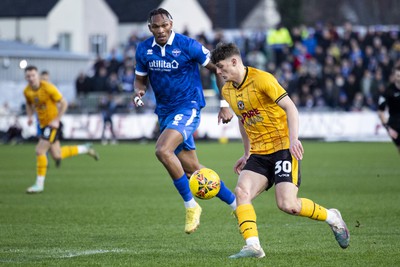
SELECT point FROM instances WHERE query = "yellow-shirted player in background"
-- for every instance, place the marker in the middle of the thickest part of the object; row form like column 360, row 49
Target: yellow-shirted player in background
column 268, row 122
column 44, row 98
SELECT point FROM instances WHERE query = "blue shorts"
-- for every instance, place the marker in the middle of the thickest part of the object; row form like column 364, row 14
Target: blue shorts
column 186, row 121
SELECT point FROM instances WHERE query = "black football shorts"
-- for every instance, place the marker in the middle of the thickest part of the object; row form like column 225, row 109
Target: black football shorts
column 276, row 167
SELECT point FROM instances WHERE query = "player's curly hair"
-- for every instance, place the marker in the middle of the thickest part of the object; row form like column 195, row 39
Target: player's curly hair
column 223, row 51
column 158, row 11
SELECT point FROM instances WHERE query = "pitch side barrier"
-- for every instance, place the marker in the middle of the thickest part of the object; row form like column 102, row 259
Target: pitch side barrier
column 327, row 126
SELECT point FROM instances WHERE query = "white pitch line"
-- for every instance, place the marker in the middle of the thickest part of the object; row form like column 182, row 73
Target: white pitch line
column 91, row 252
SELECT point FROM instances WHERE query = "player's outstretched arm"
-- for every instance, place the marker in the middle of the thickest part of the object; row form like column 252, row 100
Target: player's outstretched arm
column 296, row 148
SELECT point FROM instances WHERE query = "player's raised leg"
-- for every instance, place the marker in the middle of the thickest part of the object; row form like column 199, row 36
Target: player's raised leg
column 287, row 201
column 59, row 153
column 70, row 151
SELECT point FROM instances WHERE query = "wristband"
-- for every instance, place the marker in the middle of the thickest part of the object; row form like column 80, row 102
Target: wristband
column 223, row 104
column 385, row 125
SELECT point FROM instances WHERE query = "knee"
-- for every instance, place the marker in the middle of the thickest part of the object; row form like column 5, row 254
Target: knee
column 242, row 194
column 40, row 151
column 289, row 206
column 162, row 153
column 56, row 158
column 56, row 154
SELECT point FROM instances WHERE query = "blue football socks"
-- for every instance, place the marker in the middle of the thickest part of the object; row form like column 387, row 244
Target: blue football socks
column 225, row 194
column 182, row 185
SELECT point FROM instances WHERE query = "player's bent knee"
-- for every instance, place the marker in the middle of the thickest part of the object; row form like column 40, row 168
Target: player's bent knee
column 163, row 154
column 290, row 207
column 40, row 151
column 160, row 156
column 241, row 194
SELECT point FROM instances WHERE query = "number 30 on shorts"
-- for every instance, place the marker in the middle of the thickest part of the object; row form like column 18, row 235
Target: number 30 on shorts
column 283, row 165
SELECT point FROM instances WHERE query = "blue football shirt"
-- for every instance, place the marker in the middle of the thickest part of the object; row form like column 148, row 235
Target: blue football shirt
column 173, row 71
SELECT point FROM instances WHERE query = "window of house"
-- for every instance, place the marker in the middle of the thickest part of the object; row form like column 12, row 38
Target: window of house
column 98, row 44
column 65, row 41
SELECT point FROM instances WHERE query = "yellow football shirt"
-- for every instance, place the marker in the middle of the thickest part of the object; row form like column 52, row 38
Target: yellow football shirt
column 255, row 104
column 44, row 100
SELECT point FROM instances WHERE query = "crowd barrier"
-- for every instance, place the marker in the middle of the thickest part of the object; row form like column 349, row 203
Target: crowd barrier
column 328, row 126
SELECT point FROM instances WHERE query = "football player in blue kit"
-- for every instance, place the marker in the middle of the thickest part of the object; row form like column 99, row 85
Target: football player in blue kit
column 170, row 62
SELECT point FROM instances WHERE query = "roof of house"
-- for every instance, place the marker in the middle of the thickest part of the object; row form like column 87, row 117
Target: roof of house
column 223, row 13
column 133, row 11
column 228, row 14
column 26, row 8
column 18, row 49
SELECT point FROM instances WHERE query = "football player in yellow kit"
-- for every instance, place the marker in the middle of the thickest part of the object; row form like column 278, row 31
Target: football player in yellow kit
column 268, row 122
column 44, row 98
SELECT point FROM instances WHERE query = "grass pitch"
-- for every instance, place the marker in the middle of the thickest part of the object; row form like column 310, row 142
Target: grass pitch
column 124, row 210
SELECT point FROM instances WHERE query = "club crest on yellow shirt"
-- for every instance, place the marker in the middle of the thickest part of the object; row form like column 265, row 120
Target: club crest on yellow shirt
column 240, row 105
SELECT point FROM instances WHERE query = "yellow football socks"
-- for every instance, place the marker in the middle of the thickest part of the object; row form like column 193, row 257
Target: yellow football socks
column 41, row 165
column 69, row 151
column 312, row 210
column 247, row 220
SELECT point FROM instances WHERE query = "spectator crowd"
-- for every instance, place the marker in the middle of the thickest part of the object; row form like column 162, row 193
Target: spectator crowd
column 324, row 67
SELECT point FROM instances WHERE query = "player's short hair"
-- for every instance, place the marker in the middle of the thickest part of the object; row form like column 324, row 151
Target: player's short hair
column 158, row 11
column 30, row 68
column 223, row 51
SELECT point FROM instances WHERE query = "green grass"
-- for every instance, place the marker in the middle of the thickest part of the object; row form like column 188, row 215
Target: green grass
column 124, row 210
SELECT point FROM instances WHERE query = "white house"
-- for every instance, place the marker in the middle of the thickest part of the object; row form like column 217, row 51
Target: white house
column 81, row 26
column 96, row 26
